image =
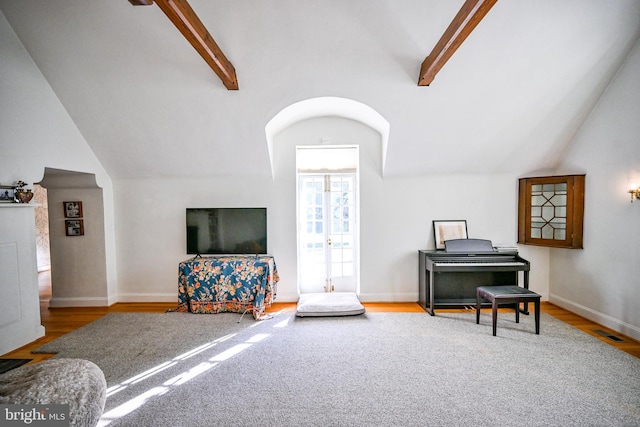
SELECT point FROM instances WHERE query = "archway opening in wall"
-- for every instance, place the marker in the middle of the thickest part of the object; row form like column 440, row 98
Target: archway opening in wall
column 319, row 127
column 43, row 249
column 78, row 273
column 327, row 106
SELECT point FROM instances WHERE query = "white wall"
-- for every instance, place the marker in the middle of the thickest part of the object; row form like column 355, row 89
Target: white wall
column 396, row 217
column 146, row 219
column 36, row 132
column 602, row 281
column 19, row 306
column 151, row 234
column 78, row 275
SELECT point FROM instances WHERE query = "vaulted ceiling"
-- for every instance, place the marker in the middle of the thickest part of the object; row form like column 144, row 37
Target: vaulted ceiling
column 509, row 100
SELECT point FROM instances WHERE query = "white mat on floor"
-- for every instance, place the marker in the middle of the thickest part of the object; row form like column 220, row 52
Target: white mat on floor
column 329, row 304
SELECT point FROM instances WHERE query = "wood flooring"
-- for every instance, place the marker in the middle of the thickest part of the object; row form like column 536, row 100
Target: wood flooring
column 60, row 321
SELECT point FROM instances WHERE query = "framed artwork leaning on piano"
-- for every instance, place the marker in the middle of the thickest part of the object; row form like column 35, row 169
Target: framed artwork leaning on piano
column 449, row 230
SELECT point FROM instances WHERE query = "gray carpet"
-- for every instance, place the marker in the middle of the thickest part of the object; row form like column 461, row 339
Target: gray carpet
column 377, row 369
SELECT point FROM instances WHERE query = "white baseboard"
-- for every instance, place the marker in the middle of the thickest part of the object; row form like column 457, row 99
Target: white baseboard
column 602, row 319
column 173, row 297
column 170, row 297
column 291, row 297
column 395, row 297
column 79, row 302
column 363, row 297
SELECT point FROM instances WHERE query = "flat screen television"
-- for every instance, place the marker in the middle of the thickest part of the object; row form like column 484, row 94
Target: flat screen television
column 226, row 231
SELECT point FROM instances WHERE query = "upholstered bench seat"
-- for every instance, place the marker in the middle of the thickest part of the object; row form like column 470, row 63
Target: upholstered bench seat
column 507, row 295
column 75, row 382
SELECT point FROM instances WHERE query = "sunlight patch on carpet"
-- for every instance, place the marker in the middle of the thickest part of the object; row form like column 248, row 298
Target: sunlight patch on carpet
column 329, row 304
column 138, row 401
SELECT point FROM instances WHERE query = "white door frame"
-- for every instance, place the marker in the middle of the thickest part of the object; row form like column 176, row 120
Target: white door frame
column 328, row 282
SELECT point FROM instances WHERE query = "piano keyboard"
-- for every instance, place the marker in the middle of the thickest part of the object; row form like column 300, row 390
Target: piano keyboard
column 486, row 263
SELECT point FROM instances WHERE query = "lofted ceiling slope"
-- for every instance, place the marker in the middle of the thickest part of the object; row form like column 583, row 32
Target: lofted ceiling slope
column 509, row 100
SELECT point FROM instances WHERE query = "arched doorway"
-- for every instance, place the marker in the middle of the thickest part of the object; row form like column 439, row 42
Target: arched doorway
column 303, row 125
column 78, row 262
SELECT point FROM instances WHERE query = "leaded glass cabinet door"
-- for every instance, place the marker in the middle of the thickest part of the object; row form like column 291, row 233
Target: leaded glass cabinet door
column 327, row 233
column 551, row 210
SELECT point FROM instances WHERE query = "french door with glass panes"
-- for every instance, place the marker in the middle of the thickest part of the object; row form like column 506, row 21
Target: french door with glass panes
column 327, row 235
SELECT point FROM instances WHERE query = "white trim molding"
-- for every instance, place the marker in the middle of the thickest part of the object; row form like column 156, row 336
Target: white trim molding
column 595, row 316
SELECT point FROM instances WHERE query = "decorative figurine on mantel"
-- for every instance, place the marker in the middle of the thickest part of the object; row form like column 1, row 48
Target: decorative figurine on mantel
column 22, row 195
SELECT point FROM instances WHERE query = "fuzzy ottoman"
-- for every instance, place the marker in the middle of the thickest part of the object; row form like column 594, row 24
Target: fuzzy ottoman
column 76, row 382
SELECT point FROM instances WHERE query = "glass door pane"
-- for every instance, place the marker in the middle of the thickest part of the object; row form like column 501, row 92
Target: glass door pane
column 326, row 233
column 311, row 234
column 342, row 232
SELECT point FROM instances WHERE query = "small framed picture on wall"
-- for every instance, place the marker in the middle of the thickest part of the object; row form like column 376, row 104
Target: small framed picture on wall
column 74, row 227
column 72, row 209
column 7, row 193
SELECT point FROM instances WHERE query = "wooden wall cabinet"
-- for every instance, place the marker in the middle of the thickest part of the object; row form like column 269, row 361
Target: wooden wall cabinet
column 551, row 211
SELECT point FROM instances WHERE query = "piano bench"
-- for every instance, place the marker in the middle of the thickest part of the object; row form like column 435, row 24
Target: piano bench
column 507, row 295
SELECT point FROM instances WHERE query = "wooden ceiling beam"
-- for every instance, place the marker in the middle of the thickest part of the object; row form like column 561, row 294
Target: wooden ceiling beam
column 470, row 15
column 188, row 23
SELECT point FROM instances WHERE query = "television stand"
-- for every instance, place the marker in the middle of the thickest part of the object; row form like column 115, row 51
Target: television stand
column 227, row 283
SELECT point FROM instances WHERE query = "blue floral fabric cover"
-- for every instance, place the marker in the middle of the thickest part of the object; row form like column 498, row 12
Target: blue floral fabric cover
column 229, row 283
